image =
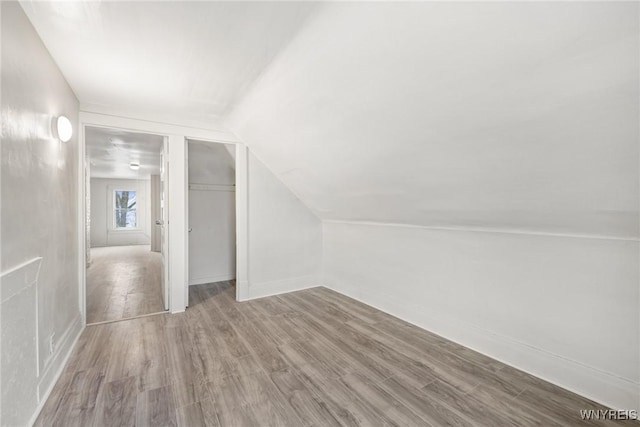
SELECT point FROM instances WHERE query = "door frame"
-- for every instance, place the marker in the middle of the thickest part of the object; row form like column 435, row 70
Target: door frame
column 177, row 226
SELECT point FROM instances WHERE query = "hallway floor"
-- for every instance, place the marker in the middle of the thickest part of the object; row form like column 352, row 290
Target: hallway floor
column 309, row 358
column 123, row 282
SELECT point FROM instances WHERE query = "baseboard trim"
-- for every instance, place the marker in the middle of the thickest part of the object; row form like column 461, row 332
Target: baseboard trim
column 276, row 287
column 212, row 279
column 602, row 387
column 54, row 375
column 242, row 290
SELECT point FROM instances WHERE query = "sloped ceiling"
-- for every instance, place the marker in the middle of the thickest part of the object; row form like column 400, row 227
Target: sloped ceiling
column 504, row 115
column 518, row 116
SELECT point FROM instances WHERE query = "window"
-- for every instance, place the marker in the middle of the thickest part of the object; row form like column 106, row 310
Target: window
column 125, row 214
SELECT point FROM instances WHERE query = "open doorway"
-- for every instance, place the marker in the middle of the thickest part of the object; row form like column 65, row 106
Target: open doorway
column 212, row 214
column 126, row 212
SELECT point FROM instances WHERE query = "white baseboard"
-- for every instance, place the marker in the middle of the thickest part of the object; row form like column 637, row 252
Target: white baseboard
column 57, row 364
column 275, row 287
column 242, row 290
column 212, row 279
column 602, row 387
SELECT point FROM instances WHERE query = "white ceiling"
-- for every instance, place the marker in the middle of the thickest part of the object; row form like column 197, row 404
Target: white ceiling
column 518, row 116
column 111, row 151
column 508, row 115
column 186, row 61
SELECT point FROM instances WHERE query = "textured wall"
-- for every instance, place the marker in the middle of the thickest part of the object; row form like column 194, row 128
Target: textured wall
column 39, row 184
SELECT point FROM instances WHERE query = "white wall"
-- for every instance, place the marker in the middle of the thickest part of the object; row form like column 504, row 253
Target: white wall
column 285, row 237
column 212, row 241
column 563, row 308
column 507, row 117
column 40, row 256
column 103, row 232
column 155, row 199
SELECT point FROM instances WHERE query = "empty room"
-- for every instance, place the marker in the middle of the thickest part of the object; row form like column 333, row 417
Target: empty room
column 299, row 213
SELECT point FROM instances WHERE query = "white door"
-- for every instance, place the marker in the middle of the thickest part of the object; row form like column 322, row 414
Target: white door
column 164, row 222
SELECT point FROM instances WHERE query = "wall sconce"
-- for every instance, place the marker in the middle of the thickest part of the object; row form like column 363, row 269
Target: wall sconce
column 134, row 166
column 64, row 128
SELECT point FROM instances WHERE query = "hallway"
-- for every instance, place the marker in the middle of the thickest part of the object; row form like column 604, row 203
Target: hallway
column 123, row 282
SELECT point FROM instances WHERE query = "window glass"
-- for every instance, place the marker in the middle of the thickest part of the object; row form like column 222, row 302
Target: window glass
column 125, row 214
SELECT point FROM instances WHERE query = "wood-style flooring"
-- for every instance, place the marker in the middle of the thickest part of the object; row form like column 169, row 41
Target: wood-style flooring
column 308, row 358
column 123, row 282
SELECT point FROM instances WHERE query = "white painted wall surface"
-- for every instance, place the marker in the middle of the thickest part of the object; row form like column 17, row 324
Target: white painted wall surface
column 40, row 258
column 285, row 237
column 212, row 241
column 563, row 308
column 103, row 232
column 155, row 198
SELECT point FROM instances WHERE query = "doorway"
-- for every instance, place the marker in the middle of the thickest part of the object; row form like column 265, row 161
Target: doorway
column 211, row 202
column 126, row 247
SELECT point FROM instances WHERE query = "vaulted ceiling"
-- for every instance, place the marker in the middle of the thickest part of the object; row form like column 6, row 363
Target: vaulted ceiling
column 518, row 116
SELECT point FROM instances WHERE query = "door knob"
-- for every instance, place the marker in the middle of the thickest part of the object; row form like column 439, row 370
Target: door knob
column 190, row 229
column 159, row 222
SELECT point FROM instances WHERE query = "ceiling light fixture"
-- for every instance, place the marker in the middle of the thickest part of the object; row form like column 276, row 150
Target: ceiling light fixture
column 134, row 166
column 64, row 128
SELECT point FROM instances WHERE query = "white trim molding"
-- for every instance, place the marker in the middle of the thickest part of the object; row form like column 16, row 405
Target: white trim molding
column 282, row 286
column 212, row 279
column 63, row 352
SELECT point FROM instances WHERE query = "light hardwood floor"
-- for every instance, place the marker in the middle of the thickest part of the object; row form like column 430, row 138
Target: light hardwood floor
column 123, row 282
column 309, row 358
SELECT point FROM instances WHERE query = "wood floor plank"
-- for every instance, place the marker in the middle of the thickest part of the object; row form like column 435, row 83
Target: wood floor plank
column 387, row 406
column 310, row 409
column 383, row 359
column 79, row 401
column 117, row 404
column 347, row 408
column 123, row 282
column 156, row 408
column 201, row 413
column 447, row 366
column 55, row 400
column 432, row 412
column 468, row 406
column 511, row 408
column 154, row 371
column 309, row 358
